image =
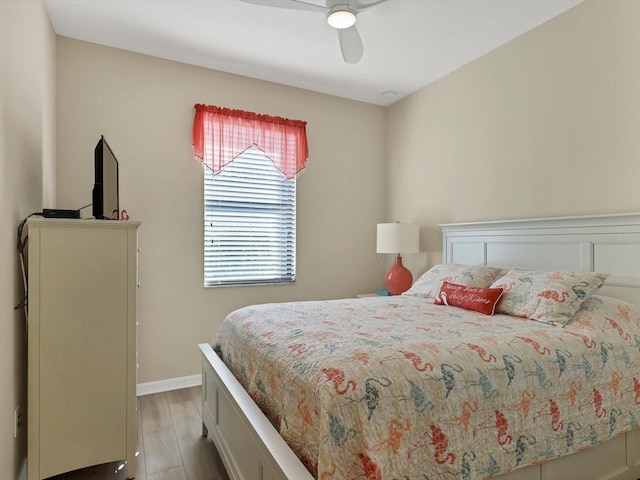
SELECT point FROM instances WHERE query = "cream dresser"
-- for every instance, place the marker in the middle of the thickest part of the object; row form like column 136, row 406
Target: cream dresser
column 82, row 282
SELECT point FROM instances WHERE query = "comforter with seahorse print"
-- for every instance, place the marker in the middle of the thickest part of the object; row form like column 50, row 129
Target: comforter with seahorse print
column 399, row 388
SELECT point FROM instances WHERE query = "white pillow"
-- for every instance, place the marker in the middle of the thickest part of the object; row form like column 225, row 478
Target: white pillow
column 429, row 283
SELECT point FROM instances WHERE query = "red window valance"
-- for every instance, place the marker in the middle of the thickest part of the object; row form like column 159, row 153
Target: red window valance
column 221, row 134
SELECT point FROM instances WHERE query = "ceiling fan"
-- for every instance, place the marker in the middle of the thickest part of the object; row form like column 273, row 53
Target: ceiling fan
column 341, row 15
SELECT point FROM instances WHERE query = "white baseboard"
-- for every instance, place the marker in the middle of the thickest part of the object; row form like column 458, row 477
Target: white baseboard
column 168, row 385
column 23, row 472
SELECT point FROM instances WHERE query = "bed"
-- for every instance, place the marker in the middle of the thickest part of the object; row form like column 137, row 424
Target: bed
column 592, row 429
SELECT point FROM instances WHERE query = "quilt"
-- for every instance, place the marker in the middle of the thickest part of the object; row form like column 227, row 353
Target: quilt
column 400, row 388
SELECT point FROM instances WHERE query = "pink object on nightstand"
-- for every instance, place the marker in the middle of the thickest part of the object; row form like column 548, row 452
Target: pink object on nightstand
column 399, row 278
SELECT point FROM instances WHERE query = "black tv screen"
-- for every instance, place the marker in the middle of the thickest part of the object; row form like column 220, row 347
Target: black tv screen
column 105, row 188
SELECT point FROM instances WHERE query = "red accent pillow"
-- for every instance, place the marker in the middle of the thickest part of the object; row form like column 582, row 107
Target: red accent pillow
column 481, row 300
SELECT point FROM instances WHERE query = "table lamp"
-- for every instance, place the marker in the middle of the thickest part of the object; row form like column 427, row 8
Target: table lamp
column 398, row 238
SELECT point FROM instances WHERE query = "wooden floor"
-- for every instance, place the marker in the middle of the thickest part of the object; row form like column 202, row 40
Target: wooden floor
column 170, row 443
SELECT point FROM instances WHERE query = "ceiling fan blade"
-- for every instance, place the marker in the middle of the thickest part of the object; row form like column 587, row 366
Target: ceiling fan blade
column 361, row 5
column 350, row 44
column 288, row 4
column 314, row 4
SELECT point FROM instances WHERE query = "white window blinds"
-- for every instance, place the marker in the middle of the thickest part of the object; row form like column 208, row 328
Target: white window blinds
column 249, row 223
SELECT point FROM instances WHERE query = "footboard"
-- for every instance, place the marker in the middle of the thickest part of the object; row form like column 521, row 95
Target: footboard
column 250, row 447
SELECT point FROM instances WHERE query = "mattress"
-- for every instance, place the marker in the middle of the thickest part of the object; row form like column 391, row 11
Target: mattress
column 398, row 387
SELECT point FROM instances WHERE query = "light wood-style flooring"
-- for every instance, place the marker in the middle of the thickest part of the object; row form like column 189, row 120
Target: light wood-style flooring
column 170, row 442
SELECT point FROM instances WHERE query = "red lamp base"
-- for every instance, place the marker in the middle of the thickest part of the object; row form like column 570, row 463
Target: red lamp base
column 398, row 278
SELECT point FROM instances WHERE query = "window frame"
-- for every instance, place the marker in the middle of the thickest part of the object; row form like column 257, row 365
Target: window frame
column 233, row 180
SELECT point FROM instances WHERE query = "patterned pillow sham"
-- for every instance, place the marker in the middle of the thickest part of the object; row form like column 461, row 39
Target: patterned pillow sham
column 548, row 297
column 429, row 283
column 483, row 300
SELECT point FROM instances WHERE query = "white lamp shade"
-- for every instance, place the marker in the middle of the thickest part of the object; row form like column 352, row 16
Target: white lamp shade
column 398, row 238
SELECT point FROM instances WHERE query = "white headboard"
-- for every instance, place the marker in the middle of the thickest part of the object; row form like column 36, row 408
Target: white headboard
column 594, row 243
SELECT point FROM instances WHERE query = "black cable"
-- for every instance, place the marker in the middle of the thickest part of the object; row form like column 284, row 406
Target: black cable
column 22, row 245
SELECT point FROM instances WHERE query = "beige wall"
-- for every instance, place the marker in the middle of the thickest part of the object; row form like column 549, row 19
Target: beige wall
column 546, row 125
column 144, row 107
column 27, row 183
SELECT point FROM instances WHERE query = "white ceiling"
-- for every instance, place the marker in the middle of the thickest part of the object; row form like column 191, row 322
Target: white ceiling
column 407, row 43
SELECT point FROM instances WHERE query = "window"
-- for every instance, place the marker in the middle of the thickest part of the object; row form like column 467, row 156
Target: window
column 249, row 223
column 250, row 166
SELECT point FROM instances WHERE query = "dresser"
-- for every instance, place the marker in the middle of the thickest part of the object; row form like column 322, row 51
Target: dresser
column 82, row 307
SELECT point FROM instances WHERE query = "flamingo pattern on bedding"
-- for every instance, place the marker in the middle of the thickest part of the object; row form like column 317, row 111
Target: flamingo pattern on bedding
column 396, row 387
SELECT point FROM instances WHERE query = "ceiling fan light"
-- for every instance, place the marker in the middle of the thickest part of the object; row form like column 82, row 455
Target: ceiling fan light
column 341, row 17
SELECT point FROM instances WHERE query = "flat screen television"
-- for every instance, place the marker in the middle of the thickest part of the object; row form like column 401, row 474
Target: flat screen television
column 105, row 188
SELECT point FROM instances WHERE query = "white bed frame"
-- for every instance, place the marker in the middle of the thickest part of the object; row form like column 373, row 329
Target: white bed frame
column 252, row 449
